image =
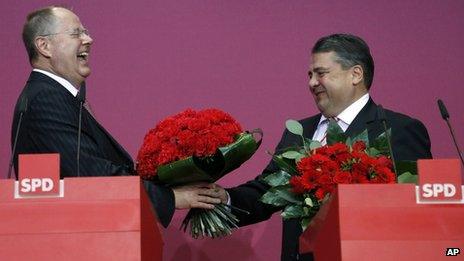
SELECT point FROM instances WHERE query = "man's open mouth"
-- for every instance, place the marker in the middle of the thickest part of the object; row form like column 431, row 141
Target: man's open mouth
column 83, row 55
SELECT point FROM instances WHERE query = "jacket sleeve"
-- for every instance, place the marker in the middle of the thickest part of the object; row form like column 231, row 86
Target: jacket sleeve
column 162, row 201
column 247, row 196
column 411, row 141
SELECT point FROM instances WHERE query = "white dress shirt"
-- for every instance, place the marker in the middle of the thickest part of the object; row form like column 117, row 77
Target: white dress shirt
column 344, row 119
column 65, row 83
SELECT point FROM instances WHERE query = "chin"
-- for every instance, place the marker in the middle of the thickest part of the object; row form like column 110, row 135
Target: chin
column 85, row 73
column 321, row 105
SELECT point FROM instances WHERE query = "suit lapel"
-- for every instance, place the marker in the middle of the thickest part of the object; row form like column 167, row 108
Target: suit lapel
column 310, row 126
column 115, row 144
column 86, row 125
column 366, row 119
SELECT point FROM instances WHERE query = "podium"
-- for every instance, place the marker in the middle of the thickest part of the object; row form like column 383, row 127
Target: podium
column 383, row 222
column 99, row 218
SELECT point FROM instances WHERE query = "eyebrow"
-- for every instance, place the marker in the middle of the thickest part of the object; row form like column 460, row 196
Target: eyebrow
column 317, row 70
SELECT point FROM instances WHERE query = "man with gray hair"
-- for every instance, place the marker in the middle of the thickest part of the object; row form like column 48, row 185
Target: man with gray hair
column 340, row 74
column 59, row 46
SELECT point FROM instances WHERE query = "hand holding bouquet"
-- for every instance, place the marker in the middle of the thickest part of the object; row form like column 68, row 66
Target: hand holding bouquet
column 192, row 147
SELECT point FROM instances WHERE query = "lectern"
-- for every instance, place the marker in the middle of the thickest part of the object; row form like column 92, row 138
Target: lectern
column 96, row 218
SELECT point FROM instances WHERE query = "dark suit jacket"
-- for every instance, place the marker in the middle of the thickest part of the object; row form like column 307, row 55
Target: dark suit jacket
column 410, row 141
column 50, row 125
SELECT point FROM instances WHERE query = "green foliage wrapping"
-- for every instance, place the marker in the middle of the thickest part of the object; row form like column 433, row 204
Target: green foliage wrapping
column 212, row 168
column 220, row 221
column 302, row 206
column 335, row 134
column 278, row 178
column 407, row 177
column 381, row 143
column 280, row 196
column 363, row 136
column 292, row 211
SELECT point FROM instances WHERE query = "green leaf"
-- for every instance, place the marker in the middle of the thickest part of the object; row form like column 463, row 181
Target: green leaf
column 294, row 127
column 305, row 223
column 407, row 177
column 381, row 143
column 314, row 145
column 371, row 151
column 285, row 165
column 308, row 201
column 306, row 144
column 348, row 141
column 279, row 196
column 363, row 136
column 292, row 154
column 278, row 178
column 292, row 211
column 403, row 166
column 272, row 198
column 299, row 158
column 335, row 134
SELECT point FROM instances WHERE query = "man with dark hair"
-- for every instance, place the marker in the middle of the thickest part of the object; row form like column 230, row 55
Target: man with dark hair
column 58, row 46
column 340, row 75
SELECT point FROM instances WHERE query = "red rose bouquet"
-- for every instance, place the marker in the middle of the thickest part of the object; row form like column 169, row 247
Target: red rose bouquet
column 197, row 146
column 309, row 174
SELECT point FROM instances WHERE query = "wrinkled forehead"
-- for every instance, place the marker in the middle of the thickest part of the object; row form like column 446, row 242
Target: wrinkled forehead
column 323, row 60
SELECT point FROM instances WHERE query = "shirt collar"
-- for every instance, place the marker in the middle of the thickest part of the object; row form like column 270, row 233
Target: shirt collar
column 65, row 83
column 347, row 116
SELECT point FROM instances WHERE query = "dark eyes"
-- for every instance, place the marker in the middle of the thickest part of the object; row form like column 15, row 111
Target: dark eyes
column 318, row 74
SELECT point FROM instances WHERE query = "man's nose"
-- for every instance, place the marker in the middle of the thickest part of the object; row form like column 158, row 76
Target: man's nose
column 313, row 82
column 87, row 39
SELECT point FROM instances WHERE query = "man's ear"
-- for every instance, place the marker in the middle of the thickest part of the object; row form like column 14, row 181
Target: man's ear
column 357, row 74
column 42, row 45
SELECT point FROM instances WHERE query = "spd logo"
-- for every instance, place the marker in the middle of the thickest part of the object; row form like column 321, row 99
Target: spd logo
column 38, row 175
column 439, row 181
column 36, row 184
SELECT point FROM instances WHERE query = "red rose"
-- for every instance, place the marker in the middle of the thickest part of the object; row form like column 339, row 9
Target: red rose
column 309, row 179
column 359, row 178
column 359, row 146
column 325, row 179
column 297, row 185
column 342, row 177
column 383, row 175
column 385, row 162
column 321, row 193
column 185, row 134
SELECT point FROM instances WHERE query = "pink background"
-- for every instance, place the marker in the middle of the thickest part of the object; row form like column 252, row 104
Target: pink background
column 151, row 59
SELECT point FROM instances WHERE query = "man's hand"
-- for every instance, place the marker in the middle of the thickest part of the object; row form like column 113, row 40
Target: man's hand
column 222, row 193
column 202, row 195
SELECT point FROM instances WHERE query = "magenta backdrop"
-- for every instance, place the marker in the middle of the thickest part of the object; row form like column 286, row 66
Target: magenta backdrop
column 151, row 59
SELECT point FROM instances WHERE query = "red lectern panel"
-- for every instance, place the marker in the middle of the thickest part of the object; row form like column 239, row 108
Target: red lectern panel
column 383, row 222
column 99, row 218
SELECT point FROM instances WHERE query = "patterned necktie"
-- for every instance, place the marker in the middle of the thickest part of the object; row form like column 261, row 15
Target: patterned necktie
column 328, row 121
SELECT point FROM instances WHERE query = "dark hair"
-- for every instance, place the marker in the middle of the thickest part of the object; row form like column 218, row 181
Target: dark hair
column 351, row 50
column 39, row 22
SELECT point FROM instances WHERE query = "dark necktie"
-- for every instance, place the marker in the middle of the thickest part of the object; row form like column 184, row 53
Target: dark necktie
column 328, row 121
